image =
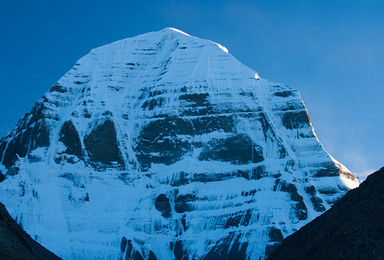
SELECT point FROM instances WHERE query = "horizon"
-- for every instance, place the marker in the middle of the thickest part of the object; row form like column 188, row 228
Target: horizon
column 335, row 74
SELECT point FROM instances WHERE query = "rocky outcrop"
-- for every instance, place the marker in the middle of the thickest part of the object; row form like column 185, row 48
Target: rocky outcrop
column 101, row 144
column 352, row 229
column 70, row 138
column 15, row 244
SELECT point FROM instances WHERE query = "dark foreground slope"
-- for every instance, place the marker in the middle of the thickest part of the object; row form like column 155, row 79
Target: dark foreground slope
column 16, row 244
column 352, row 229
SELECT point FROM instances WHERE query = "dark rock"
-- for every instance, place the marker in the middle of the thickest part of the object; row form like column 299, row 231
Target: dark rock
column 295, row 119
column 178, row 250
column 15, row 244
column 238, row 218
column 266, row 126
column 248, row 193
column 37, row 113
column 3, row 145
column 208, row 124
column 153, row 103
column 311, row 190
column 138, row 256
column 35, row 136
column 238, row 149
column 170, row 126
column 234, row 220
column 86, row 113
column 183, row 178
column 282, row 151
column 258, row 172
column 247, row 94
column 102, row 145
column 58, row 88
column 128, row 254
column 14, row 170
column 156, row 93
column 152, row 256
column 248, row 214
column 316, row 201
column 162, row 204
column 123, row 244
column 289, row 188
column 301, row 210
column 275, row 235
column 228, row 248
column 352, row 229
column 197, row 104
column 326, row 170
column 291, row 106
column 160, row 137
column 183, row 203
column 284, row 93
column 295, row 196
column 198, row 99
column 70, row 138
column 184, row 222
column 328, row 191
column 2, row 176
column 86, row 197
column 66, row 158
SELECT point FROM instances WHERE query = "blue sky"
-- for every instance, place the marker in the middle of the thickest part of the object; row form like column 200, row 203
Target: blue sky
column 332, row 51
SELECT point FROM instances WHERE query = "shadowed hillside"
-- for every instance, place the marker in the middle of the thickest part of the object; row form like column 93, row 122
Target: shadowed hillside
column 16, row 244
column 352, row 229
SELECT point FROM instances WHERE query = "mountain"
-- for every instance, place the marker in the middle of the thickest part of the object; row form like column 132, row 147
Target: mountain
column 352, row 229
column 15, row 244
column 165, row 146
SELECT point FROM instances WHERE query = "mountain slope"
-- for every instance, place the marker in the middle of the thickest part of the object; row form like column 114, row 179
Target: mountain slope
column 15, row 244
column 352, row 229
column 164, row 145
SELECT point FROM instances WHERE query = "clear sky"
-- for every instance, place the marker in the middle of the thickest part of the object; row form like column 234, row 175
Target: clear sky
column 332, row 51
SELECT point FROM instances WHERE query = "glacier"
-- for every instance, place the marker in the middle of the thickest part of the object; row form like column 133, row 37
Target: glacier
column 164, row 146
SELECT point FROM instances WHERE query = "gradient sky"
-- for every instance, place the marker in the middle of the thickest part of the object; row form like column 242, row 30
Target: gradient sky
column 331, row 51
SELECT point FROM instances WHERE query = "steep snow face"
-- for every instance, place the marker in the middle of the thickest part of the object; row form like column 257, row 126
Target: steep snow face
column 165, row 146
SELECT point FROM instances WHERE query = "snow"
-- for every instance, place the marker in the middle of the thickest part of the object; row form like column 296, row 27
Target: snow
column 176, row 30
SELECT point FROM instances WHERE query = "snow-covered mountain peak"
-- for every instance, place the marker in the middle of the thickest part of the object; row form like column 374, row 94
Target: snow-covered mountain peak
column 174, row 30
column 165, row 146
column 164, row 37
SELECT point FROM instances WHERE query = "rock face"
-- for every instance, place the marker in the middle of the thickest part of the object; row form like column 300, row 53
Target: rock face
column 352, row 229
column 165, row 146
column 15, row 244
